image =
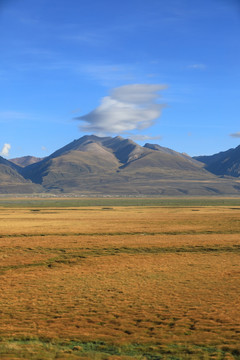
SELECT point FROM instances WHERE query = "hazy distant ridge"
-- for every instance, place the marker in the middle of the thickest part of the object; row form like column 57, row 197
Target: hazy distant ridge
column 25, row 160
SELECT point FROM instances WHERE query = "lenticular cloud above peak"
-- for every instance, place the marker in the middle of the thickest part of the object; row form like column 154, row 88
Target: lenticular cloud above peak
column 128, row 107
column 137, row 93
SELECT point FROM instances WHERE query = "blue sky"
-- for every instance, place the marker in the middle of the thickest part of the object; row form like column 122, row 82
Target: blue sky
column 75, row 67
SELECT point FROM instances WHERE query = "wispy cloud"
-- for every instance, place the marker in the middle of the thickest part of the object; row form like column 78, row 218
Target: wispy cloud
column 14, row 115
column 197, row 66
column 144, row 137
column 39, row 52
column 5, row 150
column 87, row 38
column 235, row 135
column 107, row 74
column 129, row 107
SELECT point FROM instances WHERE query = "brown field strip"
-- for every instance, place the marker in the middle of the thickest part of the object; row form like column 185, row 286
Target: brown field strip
column 120, row 283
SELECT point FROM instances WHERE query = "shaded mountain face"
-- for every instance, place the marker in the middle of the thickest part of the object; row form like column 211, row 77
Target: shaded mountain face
column 12, row 182
column 118, row 166
column 223, row 163
column 25, row 160
column 8, row 164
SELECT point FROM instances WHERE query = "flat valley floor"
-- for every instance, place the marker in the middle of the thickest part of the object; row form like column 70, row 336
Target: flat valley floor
column 117, row 281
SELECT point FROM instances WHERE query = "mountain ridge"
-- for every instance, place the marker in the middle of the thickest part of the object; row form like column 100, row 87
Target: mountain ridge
column 224, row 163
column 93, row 165
column 115, row 165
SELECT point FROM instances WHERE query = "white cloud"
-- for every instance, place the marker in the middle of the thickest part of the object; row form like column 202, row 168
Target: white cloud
column 5, row 150
column 129, row 107
column 235, row 135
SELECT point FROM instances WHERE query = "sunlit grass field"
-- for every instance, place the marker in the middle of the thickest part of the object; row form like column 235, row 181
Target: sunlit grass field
column 117, row 280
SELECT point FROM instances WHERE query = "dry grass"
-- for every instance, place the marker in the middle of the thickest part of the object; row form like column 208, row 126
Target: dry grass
column 120, row 283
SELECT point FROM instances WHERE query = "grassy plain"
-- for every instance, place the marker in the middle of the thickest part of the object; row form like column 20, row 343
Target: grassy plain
column 117, row 281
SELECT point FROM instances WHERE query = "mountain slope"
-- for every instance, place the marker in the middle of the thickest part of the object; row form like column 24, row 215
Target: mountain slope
column 223, row 163
column 12, row 182
column 77, row 159
column 163, row 149
column 118, row 166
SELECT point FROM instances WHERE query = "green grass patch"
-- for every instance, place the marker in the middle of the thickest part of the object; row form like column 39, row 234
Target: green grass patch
column 36, row 349
column 109, row 202
column 124, row 233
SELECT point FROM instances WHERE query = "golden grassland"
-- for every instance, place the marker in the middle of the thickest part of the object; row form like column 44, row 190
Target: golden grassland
column 120, row 282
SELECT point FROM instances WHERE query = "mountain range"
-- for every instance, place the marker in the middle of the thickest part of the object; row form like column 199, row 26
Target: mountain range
column 95, row 166
column 223, row 163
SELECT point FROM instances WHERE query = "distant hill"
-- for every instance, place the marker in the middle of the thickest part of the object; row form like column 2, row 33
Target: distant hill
column 11, row 182
column 95, row 165
column 25, row 160
column 223, row 163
